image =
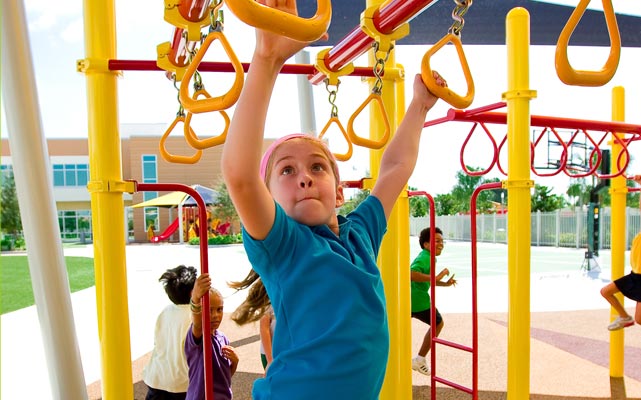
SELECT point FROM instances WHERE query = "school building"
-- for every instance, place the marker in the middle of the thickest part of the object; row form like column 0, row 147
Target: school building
column 141, row 161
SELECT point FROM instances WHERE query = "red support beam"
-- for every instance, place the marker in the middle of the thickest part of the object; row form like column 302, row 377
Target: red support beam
column 215, row 66
column 386, row 19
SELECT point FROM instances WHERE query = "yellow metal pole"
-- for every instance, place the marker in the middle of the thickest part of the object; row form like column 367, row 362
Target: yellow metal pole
column 107, row 206
column 618, row 191
column 518, row 185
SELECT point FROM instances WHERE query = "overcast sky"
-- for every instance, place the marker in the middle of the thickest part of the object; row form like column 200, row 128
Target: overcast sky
column 56, row 35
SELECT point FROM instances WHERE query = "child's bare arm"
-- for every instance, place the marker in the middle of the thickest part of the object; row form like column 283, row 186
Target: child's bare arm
column 201, row 288
column 243, row 146
column 399, row 158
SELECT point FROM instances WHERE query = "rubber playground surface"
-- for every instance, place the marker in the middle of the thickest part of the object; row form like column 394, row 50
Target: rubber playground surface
column 569, row 346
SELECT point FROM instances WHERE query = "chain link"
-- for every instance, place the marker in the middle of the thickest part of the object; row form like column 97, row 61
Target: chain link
column 379, row 68
column 332, row 98
column 457, row 15
column 181, row 109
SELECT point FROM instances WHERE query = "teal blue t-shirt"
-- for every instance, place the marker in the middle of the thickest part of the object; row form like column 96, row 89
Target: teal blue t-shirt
column 421, row 290
column 331, row 340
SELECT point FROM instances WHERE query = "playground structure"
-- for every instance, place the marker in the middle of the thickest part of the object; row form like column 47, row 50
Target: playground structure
column 107, row 187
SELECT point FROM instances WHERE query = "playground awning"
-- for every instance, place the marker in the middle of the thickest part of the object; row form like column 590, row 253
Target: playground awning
column 174, row 199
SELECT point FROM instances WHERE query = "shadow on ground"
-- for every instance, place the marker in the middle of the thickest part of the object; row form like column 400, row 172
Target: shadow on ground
column 242, row 384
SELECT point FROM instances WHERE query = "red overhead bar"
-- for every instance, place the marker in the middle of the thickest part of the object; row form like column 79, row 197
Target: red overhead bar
column 215, row 66
column 478, row 115
column 192, row 11
column 386, row 19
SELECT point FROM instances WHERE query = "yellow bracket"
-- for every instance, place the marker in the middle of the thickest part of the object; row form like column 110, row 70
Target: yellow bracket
column 385, row 41
column 202, row 144
column 173, row 16
column 89, row 65
column 341, row 157
column 213, row 103
column 368, row 183
column 445, row 93
column 518, row 94
column 177, row 158
column 267, row 18
column 163, row 51
column 111, row 186
column 564, row 70
column 331, row 76
column 360, row 141
column 517, row 183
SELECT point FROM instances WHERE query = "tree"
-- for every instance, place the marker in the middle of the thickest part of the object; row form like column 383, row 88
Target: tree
column 11, row 222
column 419, row 205
column 543, row 199
column 464, row 189
column 445, row 204
column 224, row 208
column 353, row 202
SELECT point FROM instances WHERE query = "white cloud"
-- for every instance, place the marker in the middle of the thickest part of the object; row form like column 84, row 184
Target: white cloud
column 73, row 32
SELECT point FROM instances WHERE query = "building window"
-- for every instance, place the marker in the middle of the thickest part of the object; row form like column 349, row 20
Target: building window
column 151, row 217
column 6, row 171
column 74, row 224
column 149, row 175
column 70, row 175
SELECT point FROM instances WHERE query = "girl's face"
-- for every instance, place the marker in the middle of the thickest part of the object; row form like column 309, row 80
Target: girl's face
column 215, row 311
column 302, row 182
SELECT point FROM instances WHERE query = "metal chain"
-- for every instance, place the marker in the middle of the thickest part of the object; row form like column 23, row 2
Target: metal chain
column 379, row 68
column 332, row 98
column 181, row 109
column 457, row 15
column 216, row 17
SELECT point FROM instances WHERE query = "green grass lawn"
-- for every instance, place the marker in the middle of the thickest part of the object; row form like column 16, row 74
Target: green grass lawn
column 15, row 280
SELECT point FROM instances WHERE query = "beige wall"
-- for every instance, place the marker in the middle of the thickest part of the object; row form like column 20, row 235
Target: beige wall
column 205, row 172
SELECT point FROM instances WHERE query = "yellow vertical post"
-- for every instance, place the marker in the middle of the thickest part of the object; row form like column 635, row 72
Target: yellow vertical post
column 518, row 185
column 394, row 265
column 107, row 206
column 618, row 191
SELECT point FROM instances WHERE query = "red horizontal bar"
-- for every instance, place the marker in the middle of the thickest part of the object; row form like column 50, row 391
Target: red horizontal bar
column 453, row 344
column 454, row 385
column 538, row 120
column 214, row 66
column 388, row 18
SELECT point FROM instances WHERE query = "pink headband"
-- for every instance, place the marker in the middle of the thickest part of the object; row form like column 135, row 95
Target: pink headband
column 278, row 142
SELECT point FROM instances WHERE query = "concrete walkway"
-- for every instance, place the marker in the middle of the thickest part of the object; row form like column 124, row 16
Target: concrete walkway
column 569, row 346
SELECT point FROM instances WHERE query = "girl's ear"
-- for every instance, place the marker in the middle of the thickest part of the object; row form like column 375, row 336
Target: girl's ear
column 340, row 197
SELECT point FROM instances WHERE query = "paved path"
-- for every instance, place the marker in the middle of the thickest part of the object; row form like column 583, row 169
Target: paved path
column 569, row 341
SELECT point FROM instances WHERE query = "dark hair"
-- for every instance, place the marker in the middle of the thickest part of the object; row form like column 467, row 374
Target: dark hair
column 178, row 283
column 256, row 303
column 424, row 237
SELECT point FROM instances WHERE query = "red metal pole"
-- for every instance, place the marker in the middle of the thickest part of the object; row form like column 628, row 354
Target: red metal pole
column 390, row 16
column 214, row 66
column 204, row 267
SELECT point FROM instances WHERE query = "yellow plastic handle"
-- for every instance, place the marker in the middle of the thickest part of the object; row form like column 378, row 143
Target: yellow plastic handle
column 369, row 143
column 564, row 70
column 446, row 93
column 223, row 102
column 202, row 144
column 176, row 158
column 350, row 149
column 283, row 23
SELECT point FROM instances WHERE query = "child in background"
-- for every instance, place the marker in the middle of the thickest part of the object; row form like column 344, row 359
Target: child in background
column 166, row 373
column 629, row 285
column 224, row 357
column 319, row 269
column 256, row 307
column 267, row 325
column 420, row 293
